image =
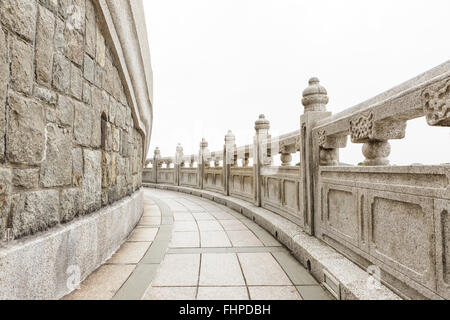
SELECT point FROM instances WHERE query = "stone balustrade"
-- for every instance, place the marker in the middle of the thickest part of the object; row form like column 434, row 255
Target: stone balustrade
column 393, row 217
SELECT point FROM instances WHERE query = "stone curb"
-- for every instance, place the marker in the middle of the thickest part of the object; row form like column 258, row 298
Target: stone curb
column 350, row 281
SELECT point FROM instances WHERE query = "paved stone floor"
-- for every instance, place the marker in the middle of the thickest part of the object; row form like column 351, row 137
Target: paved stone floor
column 186, row 247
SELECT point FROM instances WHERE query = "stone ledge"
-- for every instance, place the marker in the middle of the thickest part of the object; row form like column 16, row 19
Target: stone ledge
column 42, row 266
column 309, row 251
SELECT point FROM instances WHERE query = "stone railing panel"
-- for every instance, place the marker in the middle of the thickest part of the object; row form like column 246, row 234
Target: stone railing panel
column 241, row 183
column 282, row 192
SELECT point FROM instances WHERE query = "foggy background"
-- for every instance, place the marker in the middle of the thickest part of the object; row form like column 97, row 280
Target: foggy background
column 218, row 64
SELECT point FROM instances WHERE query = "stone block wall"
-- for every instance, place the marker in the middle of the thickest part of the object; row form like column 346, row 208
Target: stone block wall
column 68, row 141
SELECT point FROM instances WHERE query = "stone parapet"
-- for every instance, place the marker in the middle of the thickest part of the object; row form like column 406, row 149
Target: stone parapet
column 391, row 221
column 51, row 264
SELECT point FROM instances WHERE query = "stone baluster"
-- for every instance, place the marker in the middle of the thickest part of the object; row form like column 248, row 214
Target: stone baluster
column 286, row 151
column 228, row 159
column 260, row 156
column 374, row 134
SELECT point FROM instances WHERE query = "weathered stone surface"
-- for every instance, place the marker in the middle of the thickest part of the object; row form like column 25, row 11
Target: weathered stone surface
column 60, row 41
column 4, row 72
column 71, row 204
column 76, row 18
column 74, row 47
column 77, row 166
column 100, row 101
column 99, row 76
column 21, row 66
column 90, row 28
column 106, row 168
column 26, row 131
column 5, row 194
column 109, row 79
column 82, row 130
column 61, row 73
column 26, row 178
column 32, row 212
column 124, row 143
column 64, row 111
column 76, row 82
column 45, row 95
column 44, row 45
column 100, row 54
column 51, row 5
column 96, row 131
column 55, row 171
column 20, row 16
column 87, row 93
column 120, row 116
column 89, row 69
column 92, row 180
column 113, row 172
column 117, row 85
column 115, row 139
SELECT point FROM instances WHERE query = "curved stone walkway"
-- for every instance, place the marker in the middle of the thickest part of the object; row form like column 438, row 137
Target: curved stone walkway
column 186, row 247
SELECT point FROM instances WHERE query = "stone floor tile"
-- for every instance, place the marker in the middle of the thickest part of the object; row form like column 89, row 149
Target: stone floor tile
column 209, row 225
column 314, row 293
column 222, row 293
column 186, row 239
column 220, row 269
column 274, row 293
column 151, row 211
column 222, row 215
column 233, row 225
column 202, row 216
column 143, row 234
column 185, row 226
column 170, row 293
column 213, row 239
column 129, row 253
column 244, row 238
column 262, row 269
column 178, row 270
column 137, row 283
column 183, row 216
column 103, row 283
column 149, row 221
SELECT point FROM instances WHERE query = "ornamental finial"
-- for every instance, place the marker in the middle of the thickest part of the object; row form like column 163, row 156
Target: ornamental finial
column 315, row 96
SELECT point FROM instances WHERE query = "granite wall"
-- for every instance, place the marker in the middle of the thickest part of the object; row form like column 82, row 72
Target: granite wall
column 68, row 141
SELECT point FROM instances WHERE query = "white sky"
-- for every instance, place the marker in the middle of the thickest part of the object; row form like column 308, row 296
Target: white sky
column 218, row 64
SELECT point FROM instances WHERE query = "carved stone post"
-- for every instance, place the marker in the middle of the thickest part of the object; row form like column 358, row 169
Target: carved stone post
column 202, row 162
column 228, row 159
column 156, row 164
column 315, row 100
column 375, row 135
column 262, row 126
column 178, row 163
